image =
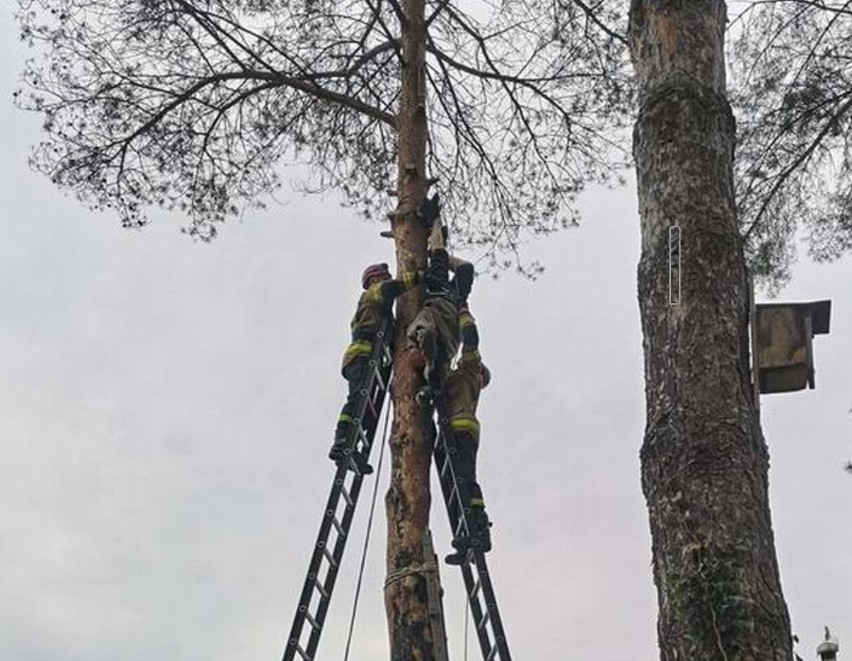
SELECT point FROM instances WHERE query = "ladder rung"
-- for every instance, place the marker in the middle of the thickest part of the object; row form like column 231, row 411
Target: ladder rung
column 328, row 556
column 338, row 526
column 356, row 467
column 379, row 379
column 372, row 406
column 302, row 653
column 476, row 588
column 445, row 467
column 346, row 496
column 360, row 436
column 455, row 496
column 486, row 616
column 312, row 622
column 320, row 588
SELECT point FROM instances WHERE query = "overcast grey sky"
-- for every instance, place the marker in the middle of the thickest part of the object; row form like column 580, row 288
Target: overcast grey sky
column 166, row 407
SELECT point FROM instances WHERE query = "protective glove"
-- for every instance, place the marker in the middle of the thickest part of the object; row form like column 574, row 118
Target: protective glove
column 464, row 280
column 429, row 210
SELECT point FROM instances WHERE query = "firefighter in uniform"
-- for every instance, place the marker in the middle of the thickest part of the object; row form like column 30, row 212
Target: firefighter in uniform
column 462, row 389
column 380, row 291
column 435, row 329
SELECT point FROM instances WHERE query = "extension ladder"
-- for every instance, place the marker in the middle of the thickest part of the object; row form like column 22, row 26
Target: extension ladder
column 340, row 509
column 480, row 591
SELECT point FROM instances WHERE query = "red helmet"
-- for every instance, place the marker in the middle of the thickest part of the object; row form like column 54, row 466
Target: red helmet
column 374, row 271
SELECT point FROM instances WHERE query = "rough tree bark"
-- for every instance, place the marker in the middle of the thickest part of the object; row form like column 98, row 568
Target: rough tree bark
column 704, row 459
column 408, row 498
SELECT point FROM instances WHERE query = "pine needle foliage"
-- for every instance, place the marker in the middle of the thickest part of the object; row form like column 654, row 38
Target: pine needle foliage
column 200, row 105
column 792, row 69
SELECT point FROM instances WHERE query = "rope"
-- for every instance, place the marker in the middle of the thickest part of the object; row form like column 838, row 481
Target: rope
column 367, row 538
column 400, row 574
column 466, row 619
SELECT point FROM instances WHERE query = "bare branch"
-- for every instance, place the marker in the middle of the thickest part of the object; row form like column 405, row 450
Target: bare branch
column 594, row 18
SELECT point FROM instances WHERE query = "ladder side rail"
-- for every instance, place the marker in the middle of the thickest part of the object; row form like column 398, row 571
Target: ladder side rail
column 373, row 388
column 372, row 394
column 455, row 510
column 455, row 514
column 474, row 594
column 315, row 565
column 337, row 554
column 376, row 389
column 372, row 399
column 487, row 591
column 484, row 590
column 454, row 497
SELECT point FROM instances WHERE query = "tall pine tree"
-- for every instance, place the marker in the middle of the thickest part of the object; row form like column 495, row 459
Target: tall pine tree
column 196, row 105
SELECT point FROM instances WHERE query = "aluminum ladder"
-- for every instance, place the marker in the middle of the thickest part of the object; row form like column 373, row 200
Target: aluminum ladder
column 334, row 530
column 480, row 590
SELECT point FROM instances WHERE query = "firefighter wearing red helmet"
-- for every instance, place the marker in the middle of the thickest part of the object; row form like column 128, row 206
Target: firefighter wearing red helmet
column 380, row 291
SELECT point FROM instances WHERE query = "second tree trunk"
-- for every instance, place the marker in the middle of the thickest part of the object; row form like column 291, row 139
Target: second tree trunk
column 704, row 459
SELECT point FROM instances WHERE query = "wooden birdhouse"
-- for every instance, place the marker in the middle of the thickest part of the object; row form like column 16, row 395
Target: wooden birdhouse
column 782, row 339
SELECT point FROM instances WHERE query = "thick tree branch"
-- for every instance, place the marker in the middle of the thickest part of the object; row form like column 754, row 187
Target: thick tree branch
column 359, row 63
column 275, row 80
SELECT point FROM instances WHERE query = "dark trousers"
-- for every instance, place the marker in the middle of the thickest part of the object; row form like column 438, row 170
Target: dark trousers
column 466, row 447
column 354, row 374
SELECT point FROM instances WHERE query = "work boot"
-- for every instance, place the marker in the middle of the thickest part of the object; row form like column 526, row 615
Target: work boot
column 339, row 453
column 461, row 545
column 480, row 529
column 458, row 558
column 361, row 465
column 338, row 448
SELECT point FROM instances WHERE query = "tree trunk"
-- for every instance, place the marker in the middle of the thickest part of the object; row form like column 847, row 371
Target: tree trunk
column 408, row 498
column 704, row 459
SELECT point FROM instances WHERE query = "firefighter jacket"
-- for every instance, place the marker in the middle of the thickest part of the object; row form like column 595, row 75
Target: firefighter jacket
column 464, row 382
column 374, row 302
